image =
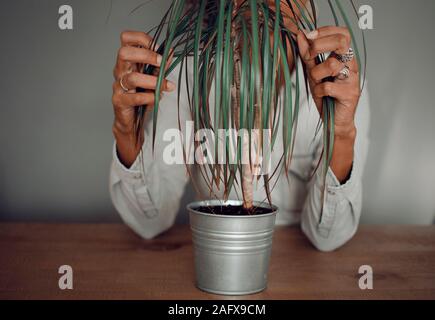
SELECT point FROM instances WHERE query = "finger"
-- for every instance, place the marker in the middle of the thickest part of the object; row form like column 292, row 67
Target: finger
column 138, row 80
column 342, row 91
column 337, row 42
column 128, row 100
column 330, row 68
column 130, row 38
column 353, row 66
column 304, row 50
column 168, row 64
column 117, row 89
column 136, row 38
column 139, row 55
column 132, row 59
column 328, row 31
column 122, row 68
column 352, row 80
column 328, row 89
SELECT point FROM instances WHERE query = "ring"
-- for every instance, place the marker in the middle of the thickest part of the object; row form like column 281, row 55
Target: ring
column 344, row 73
column 122, row 85
column 344, row 58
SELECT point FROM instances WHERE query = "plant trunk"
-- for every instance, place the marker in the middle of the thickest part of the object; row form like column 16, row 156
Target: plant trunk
column 247, row 177
column 246, row 168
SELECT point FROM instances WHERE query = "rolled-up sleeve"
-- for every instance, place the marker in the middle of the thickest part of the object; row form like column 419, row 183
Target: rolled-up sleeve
column 332, row 211
column 129, row 190
column 147, row 195
column 147, row 198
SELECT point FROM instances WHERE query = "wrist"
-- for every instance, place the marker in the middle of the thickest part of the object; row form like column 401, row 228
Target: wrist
column 343, row 153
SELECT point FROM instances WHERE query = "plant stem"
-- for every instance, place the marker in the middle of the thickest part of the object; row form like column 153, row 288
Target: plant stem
column 246, row 169
column 247, row 174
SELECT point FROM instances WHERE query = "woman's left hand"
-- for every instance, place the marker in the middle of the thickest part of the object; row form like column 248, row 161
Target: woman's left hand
column 347, row 91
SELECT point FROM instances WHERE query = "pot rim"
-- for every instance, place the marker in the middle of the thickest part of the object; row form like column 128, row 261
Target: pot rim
column 191, row 207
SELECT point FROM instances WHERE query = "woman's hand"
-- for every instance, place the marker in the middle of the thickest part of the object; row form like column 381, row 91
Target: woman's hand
column 346, row 92
column 131, row 56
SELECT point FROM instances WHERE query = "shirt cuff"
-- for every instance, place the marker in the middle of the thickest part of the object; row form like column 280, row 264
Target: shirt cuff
column 342, row 191
column 335, row 195
column 132, row 175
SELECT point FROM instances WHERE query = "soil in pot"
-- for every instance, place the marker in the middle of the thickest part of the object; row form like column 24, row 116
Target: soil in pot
column 231, row 210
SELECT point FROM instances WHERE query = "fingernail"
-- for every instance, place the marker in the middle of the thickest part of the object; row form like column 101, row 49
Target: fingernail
column 159, row 59
column 312, row 35
column 170, row 85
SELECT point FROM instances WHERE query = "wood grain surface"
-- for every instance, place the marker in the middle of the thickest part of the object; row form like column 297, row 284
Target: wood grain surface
column 110, row 262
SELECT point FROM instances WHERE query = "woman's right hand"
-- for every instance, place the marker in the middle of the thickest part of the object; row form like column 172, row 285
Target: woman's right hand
column 131, row 56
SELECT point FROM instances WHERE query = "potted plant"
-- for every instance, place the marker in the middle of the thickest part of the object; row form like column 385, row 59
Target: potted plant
column 240, row 50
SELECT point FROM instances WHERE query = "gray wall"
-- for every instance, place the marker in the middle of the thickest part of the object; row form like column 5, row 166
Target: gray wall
column 400, row 179
column 56, row 114
column 400, row 174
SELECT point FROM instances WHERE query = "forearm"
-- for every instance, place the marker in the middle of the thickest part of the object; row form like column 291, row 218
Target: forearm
column 343, row 152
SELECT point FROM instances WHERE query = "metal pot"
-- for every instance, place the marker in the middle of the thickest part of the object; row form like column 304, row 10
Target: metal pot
column 232, row 253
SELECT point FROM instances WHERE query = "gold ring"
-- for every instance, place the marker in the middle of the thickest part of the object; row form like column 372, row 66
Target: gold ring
column 122, row 85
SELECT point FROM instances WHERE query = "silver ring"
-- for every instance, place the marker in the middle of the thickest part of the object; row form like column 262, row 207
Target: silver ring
column 344, row 73
column 122, row 85
column 344, row 58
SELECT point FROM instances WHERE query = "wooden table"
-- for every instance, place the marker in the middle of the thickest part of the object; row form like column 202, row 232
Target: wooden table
column 110, row 262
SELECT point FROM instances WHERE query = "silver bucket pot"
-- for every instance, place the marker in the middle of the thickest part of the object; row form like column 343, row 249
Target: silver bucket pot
column 232, row 253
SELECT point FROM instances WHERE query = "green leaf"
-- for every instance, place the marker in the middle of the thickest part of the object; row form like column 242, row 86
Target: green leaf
column 175, row 16
column 196, row 56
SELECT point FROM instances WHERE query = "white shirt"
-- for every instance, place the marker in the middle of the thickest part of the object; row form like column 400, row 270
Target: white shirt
column 148, row 200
